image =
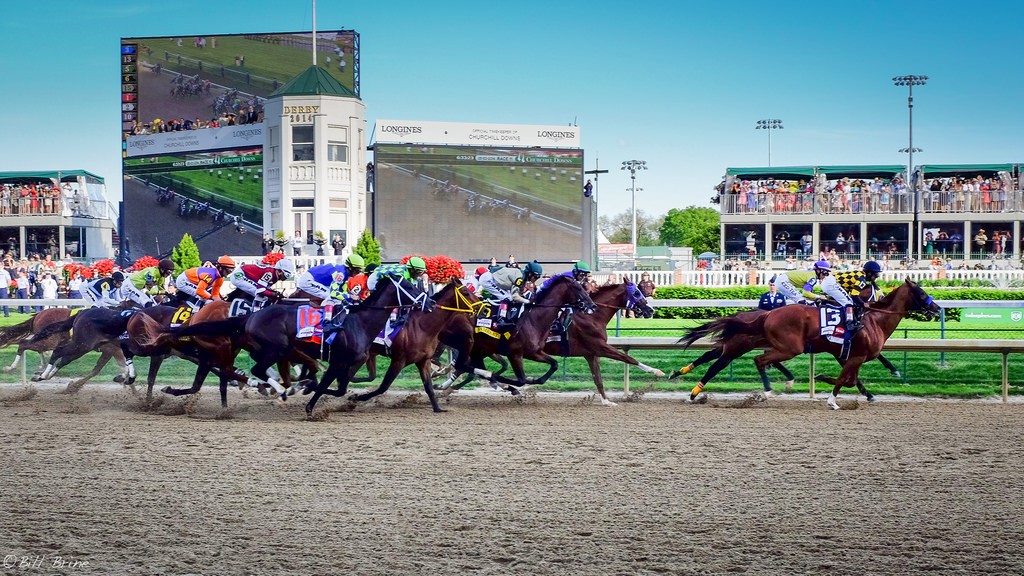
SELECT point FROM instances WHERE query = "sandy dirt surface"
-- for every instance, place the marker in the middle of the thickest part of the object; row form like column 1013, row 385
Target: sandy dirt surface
column 552, row 484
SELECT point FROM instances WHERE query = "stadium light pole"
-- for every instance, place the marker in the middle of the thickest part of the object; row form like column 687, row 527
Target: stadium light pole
column 595, row 262
column 911, row 80
column 633, row 166
column 769, row 125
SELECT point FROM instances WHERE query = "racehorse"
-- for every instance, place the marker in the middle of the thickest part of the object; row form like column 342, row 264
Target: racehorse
column 790, row 331
column 25, row 335
column 528, row 338
column 415, row 343
column 740, row 345
column 19, row 334
column 92, row 329
column 144, row 339
column 588, row 333
column 351, row 344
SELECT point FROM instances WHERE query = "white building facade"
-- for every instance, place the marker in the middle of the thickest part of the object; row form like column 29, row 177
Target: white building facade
column 314, row 164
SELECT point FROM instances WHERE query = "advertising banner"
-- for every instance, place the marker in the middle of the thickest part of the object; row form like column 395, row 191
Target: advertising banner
column 990, row 315
column 472, row 134
column 227, row 137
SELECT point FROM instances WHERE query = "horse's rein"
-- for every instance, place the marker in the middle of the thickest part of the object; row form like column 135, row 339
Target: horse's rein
column 461, row 299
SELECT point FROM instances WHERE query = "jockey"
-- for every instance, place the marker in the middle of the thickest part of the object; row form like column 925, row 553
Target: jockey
column 860, row 286
column 105, row 292
column 410, row 271
column 474, row 283
column 340, row 287
column 788, row 281
column 152, row 280
column 580, row 272
column 506, row 284
column 202, row 284
column 256, row 280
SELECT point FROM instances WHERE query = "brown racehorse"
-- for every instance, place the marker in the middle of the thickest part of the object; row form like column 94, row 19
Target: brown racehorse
column 588, row 333
column 212, row 352
column 527, row 340
column 790, row 331
column 92, row 329
column 415, row 343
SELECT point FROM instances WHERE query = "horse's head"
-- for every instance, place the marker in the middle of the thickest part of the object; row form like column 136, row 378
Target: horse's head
column 410, row 294
column 635, row 299
column 583, row 302
column 921, row 301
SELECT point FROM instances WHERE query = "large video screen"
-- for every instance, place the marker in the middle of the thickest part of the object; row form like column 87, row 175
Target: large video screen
column 475, row 203
column 213, row 196
column 190, row 78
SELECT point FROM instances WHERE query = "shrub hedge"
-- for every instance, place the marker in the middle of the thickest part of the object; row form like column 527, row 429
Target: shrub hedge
column 754, row 293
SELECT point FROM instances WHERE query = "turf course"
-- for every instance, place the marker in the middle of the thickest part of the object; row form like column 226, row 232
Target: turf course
column 959, row 375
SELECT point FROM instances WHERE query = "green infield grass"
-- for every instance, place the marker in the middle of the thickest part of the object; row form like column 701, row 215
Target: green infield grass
column 247, row 192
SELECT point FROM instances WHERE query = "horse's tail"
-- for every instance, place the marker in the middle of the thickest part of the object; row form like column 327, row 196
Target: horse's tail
column 229, row 327
column 747, row 322
column 149, row 334
column 51, row 329
column 17, row 333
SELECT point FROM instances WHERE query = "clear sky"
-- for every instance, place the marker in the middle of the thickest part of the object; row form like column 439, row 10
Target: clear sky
column 678, row 84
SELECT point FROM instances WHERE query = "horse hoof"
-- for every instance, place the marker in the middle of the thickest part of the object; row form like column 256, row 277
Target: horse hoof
column 872, row 399
column 789, row 386
column 167, row 390
column 607, row 402
column 119, row 378
column 675, row 374
column 896, row 374
column 833, row 404
column 514, row 391
column 769, row 393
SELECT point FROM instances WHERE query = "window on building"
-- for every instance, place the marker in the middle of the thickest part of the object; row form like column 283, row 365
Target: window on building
column 302, row 144
column 337, row 152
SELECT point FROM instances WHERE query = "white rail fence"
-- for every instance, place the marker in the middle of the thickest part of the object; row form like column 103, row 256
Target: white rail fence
column 1004, row 347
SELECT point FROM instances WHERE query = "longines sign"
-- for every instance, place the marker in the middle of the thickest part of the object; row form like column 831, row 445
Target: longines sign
column 468, row 134
column 244, row 136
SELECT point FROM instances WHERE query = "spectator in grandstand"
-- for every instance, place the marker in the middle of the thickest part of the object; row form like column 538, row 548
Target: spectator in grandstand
column 5, row 285
column 980, row 242
column 267, row 245
column 23, row 286
column 646, row 285
column 75, row 286
column 338, row 244
column 297, row 243
column 772, row 298
column 49, row 287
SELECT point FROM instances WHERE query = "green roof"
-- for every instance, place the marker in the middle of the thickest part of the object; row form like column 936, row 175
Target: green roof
column 941, row 170
column 880, row 171
column 314, row 81
column 37, row 175
column 782, row 172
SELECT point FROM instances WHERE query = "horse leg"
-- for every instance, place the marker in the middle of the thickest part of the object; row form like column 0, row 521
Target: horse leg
column 709, row 375
column 154, row 367
column 371, row 369
column 787, row 374
column 201, row 372
column 713, row 354
column 389, row 377
column 595, row 371
column 17, row 358
column 604, row 350
column 260, row 371
column 329, row 376
column 847, row 377
column 889, row 366
column 424, row 367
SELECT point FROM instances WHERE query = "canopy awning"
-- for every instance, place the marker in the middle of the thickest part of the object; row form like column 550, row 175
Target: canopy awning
column 880, row 171
column 32, row 176
column 965, row 170
column 773, row 173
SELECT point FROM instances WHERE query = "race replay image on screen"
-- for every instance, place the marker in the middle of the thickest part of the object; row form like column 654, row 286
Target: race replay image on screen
column 192, row 131
column 475, row 203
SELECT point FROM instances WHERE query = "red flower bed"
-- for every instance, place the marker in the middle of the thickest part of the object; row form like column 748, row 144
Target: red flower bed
column 143, row 263
column 272, row 258
column 103, row 267
column 441, row 269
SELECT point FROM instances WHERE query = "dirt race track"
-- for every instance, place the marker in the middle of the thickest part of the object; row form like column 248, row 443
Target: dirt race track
column 553, row 484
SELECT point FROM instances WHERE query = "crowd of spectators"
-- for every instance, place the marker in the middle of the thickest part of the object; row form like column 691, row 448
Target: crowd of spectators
column 22, row 199
column 244, row 116
column 33, row 278
column 840, row 196
column 978, row 194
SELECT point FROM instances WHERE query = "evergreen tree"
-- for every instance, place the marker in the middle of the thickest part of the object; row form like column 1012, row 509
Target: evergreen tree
column 185, row 255
column 368, row 248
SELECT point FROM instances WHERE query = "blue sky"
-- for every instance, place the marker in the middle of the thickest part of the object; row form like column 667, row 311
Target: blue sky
column 680, row 85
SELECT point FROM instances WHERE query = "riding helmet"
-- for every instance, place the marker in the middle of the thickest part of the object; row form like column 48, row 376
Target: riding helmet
column 166, row 265
column 226, row 261
column 417, row 263
column 533, row 267
column 822, row 265
column 117, row 277
column 872, row 267
column 355, row 261
column 287, row 266
column 581, row 266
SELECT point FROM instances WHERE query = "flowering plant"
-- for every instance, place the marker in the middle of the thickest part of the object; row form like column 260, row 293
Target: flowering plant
column 271, row 258
column 441, row 269
column 143, row 263
column 103, row 267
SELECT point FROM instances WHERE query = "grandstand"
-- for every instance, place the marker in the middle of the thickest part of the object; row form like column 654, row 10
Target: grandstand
column 970, row 214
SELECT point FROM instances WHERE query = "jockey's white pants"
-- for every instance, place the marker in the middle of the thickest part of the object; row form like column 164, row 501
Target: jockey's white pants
column 307, row 284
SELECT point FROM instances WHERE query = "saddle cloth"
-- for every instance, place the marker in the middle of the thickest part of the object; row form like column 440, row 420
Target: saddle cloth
column 308, row 322
column 832, row 319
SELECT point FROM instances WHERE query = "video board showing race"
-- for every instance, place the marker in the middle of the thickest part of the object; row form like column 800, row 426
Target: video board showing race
column 475, row 203
column 203, row 78
column 210, row 195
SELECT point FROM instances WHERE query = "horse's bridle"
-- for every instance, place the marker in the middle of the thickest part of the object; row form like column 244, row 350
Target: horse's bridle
column 421, row 302
column 462, row 303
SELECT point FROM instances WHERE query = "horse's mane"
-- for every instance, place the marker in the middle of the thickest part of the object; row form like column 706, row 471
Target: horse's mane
column 377, row 294
column 542, row 295
column 886, row 301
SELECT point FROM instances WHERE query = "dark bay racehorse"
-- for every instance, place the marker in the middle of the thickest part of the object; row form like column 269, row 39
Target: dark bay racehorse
column 528, row 338
column 351, row 343
column 588, row 333
column 416, row 342
column 790, row 331
column 19, row 334
column 92, row 329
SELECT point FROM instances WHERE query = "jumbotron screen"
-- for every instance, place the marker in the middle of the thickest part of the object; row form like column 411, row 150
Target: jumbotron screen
column 475, row 203
column 189, row 78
